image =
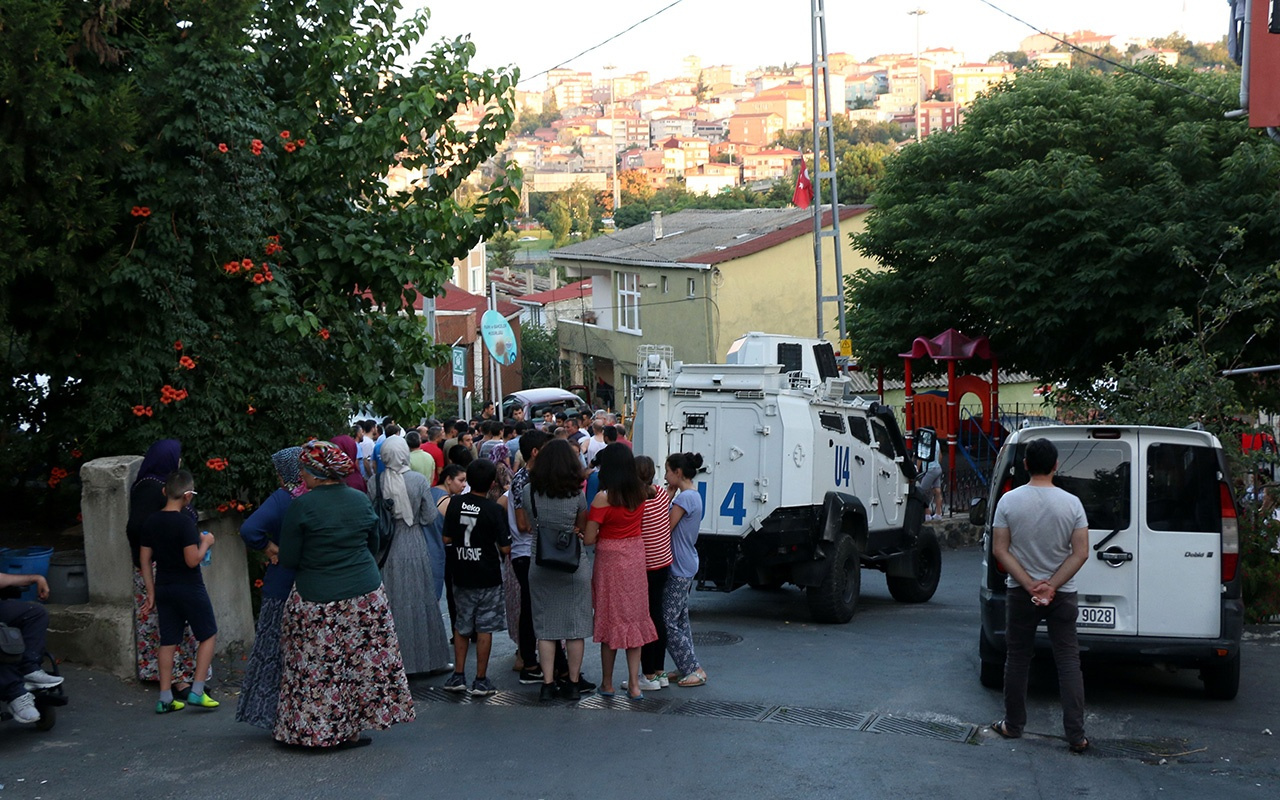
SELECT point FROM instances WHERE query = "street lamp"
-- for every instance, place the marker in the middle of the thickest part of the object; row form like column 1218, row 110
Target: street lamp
column 918, row 13
column 613, row 143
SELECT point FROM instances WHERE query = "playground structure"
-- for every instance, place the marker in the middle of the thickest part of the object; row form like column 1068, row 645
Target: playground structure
column 975, row 440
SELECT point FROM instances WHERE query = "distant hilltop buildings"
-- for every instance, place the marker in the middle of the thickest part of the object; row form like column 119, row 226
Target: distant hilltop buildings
column 716, row 126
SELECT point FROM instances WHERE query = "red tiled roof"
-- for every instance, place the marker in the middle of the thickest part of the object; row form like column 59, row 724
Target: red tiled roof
column 453, row 298
column 567, row 292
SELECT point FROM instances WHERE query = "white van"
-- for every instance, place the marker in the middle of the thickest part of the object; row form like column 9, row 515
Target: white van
column 1162, row 583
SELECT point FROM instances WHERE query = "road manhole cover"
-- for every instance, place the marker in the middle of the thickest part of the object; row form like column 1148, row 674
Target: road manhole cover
column 715, row 638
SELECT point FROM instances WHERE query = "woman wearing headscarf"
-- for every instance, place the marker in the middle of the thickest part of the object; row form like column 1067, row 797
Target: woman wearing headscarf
column 260, row 689
column 407, row 575
column 341, row 671
column 355, row 480
column 146, row 497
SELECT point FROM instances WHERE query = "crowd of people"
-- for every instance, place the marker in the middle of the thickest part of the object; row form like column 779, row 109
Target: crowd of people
column 471, row 505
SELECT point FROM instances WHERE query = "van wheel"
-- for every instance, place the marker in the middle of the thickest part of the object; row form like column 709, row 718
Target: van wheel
column 835, row 599
column 990, row 665
column 926, row 570
column 1222, row 679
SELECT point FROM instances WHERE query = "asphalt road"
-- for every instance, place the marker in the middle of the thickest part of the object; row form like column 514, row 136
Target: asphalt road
column 888, row 705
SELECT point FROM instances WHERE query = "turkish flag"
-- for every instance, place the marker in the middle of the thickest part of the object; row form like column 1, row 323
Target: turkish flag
column 803, row 195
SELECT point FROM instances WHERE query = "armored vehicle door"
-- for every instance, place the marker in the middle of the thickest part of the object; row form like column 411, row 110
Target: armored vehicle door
column 732, row 439
column 889, row 497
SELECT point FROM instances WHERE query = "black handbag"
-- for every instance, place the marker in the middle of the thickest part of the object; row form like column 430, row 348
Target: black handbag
column 11, row 645
column 554, row 548
column 384, row 508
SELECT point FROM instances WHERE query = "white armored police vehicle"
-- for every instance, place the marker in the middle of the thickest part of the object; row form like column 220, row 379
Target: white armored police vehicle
column 804, row 482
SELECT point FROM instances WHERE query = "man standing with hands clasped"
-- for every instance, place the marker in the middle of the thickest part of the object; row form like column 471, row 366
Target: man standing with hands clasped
column 1040, row 535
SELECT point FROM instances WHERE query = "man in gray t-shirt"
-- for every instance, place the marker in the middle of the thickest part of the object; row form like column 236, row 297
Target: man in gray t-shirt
column 1040, row 536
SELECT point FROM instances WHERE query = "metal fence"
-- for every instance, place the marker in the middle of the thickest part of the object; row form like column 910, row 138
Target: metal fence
column 976, row 449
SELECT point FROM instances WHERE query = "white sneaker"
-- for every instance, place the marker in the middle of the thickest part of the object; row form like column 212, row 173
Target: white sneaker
column 663, row 680
column 23, row 708
column 41, row 680
column 645, row 684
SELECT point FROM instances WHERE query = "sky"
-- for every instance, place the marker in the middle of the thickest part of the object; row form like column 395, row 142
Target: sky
column 537, row 36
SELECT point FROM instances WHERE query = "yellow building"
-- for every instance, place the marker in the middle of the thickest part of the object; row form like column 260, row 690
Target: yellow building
column 696, row 280
column 970, row 80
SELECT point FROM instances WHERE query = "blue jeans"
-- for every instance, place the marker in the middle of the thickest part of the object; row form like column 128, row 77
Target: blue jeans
column 33, row 620
column 1021, row 618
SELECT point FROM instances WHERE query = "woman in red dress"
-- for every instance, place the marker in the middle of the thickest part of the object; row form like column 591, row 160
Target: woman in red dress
column 619, row 587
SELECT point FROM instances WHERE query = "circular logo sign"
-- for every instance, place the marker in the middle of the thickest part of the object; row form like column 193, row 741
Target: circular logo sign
column 498, row 337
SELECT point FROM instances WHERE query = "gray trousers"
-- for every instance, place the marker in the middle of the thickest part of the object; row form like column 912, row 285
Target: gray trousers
column 1022, row 617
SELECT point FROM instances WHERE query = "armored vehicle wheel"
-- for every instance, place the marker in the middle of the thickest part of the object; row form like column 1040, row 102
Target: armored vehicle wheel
column 926, row 570
column 1222, row 681
column 835, row 599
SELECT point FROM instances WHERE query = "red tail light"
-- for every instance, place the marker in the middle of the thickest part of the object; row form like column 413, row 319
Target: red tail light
column 1230, row 534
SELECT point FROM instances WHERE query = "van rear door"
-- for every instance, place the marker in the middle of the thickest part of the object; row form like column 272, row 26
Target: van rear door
column 1097, row 467
column 1180, row 552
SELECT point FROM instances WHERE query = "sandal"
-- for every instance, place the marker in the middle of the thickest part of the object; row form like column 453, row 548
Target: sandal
column 1002, row 728
column 698, row 678
column 1079, row 747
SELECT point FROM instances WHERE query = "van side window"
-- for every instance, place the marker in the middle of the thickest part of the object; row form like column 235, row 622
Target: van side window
column 831, row 422
column 859, row 428
column 1182, row 488
column 1097, row 472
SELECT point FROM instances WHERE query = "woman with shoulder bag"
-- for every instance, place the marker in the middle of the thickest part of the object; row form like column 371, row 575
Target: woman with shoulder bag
column 562, row 607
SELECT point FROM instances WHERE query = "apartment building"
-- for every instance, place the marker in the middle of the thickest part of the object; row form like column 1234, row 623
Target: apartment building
column 970, row 80
column 768, row 164
column 757, row 129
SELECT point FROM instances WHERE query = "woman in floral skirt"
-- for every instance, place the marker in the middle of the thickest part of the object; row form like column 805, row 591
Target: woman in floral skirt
column 260, row 689
column 341, row 671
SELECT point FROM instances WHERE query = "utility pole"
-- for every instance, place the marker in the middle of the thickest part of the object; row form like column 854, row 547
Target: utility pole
column 918, row 13
column 613, row 143
column 825, row 179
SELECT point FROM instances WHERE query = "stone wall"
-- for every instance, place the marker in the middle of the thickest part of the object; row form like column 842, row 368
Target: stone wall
column 100, row 633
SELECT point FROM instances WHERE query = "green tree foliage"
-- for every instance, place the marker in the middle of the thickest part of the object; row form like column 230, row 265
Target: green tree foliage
column 559, row 220
column 1060, row 217
column 531, row 120
column 539, row 357
column 846, row 134
column 501, row 250
column 199, row 237
column 1015, row 58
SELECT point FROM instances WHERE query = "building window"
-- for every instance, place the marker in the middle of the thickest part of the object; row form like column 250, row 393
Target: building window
column 693, row 288
column 664, row 284
column 628, row 301
column 475, row 280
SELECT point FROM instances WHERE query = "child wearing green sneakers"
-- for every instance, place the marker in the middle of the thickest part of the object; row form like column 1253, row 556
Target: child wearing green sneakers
column 177, row 592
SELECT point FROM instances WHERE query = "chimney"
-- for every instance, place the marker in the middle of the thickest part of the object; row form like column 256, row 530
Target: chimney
column 657, row 225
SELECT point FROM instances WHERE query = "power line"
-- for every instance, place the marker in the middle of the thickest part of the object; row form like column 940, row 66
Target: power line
column 632, row 27
column 1104, row 59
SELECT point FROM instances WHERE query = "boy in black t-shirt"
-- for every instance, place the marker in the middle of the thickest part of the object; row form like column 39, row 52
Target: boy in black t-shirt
column 177, row 591
column 476, row 537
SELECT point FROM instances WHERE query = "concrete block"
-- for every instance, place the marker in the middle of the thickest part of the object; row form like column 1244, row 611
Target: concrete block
column 227, row 580
column 104, row 507
column 95, row 635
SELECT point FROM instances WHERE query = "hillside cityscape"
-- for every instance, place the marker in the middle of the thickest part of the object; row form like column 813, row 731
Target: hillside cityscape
column 727, row 136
